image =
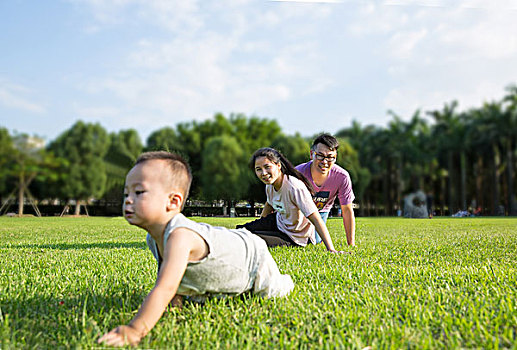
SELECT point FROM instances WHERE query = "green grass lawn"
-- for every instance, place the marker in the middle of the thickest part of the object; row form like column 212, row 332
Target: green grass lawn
column 410, row 283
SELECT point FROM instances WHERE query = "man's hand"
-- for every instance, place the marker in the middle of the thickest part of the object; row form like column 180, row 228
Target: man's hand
column 121, row 336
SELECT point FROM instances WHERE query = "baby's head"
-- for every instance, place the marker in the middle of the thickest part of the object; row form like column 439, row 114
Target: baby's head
column 176, row 174
column 156, row 188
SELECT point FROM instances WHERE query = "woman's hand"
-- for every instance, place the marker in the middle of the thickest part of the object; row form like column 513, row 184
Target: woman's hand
column 121, row 336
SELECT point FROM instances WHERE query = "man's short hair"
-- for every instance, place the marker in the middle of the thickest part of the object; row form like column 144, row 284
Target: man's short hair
column 179, row 168
column 328, row 140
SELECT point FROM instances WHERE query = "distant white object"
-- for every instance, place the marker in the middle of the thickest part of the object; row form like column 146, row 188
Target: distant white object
column 461, row 214
column 415, row 205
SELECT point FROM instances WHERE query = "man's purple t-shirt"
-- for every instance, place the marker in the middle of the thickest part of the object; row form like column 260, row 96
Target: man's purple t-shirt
column 337, row 184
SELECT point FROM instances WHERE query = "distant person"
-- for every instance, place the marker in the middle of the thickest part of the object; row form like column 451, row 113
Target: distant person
column 289, row 217
column 429, row 203
column 329, row 181
column 194, row 259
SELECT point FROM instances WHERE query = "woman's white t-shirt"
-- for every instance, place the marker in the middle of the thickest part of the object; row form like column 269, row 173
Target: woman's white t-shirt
column 293, row 203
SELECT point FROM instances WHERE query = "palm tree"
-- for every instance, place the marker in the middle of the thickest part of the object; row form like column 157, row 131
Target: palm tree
column 408, row 152
column 479, row 151
column 488, row 117
column 369, row 142
column 508, row 130
column 449, row 136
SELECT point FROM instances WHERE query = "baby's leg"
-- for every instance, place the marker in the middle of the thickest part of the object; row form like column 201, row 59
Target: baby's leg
column 269, row 282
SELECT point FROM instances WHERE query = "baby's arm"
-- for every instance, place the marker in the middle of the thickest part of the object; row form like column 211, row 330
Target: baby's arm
column 322, row 230
column 183, row 245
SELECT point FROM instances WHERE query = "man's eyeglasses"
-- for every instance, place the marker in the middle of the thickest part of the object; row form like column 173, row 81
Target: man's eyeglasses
column 319, row 156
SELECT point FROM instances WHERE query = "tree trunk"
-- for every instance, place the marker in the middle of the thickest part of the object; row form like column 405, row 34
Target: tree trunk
column 230, row 206
column 21, row 199
column 479, row 196
column 77, row 207
column 512, row 210
column 463, row 170
column 400, row 183
column 252, row 207
column 495, row 179
column 387, row 188
column 443, row 188
column 450, row 161
column 420, row 181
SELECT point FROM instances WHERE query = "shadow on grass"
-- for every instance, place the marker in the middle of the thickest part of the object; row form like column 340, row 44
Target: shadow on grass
column 66, row 246
column 45, row 321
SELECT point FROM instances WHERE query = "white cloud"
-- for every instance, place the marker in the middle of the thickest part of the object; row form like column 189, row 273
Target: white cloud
column 237, row 56
column 175, row 15
column 492, row 35
column 15, row 97
column 441, row 51
column 310, row 1
column 429, row 89
column 192, row 75
column 490, row 5
column 402, row 44
column 99, row 112
column 375, row 19
column 452, row 28
column 179, row 15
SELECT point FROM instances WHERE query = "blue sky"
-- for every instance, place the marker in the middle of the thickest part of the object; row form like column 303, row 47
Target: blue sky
column 146, row 64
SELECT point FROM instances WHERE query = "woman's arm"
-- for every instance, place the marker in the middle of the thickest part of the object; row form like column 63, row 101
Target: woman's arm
column 268, row 209
column 181, row 246
column 322, row 230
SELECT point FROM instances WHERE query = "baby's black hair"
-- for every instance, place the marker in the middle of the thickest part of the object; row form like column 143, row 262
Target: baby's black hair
column 181, row 173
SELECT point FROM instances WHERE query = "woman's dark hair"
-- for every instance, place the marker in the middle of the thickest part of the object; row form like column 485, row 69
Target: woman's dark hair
column 286, row 166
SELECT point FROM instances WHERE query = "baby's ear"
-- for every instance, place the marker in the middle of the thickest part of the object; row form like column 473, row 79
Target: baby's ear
column 175, row 201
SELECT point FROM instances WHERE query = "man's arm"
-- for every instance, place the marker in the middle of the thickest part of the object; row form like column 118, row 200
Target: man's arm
column 349, row 223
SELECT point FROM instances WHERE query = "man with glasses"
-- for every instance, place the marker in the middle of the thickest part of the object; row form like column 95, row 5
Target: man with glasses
column 330, row 181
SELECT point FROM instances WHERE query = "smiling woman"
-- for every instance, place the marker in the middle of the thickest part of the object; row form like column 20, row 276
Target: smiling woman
column 290, row 217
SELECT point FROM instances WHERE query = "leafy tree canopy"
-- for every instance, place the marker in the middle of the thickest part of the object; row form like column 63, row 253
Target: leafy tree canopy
column 295, row 148
column 83, row 146
column 6, row 151
column 222, row 169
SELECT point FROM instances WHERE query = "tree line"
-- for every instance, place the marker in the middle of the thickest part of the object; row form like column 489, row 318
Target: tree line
column 461, row 159
column 464, row 160
column 86, row 163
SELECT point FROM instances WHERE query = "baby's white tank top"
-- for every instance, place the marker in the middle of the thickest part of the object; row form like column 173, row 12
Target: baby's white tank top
column 230, row 266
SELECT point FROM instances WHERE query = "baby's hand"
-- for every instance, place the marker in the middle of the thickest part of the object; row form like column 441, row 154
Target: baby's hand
column 120, row 336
